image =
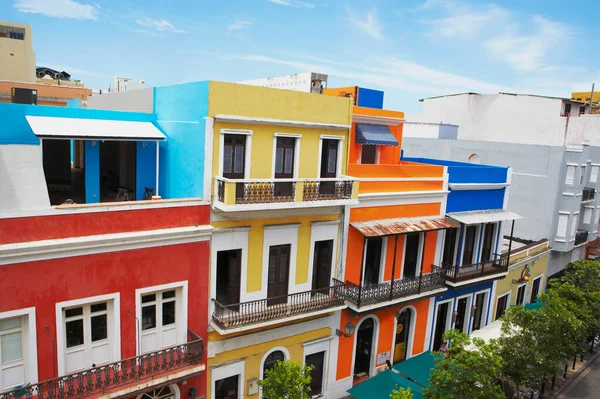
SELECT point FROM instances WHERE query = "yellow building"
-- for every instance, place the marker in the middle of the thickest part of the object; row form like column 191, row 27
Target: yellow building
column 526, row 277
column 585, row 96
column 279, row 198
column 17, row 59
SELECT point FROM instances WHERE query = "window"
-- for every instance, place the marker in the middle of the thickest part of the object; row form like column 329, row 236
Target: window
column 411, row 255
column 587, row 215
column 271, row 361
column 594, row 174
column 479, row 316
column 449, row 247
column 12, row 353
column 373, row 260
column 574, row 221
column 535, row 289
column 86, row 329
column 502, row 305
column 16, row 35
column 463, row 309
column 284, row 157
column 234, row 156
column 368, row 154
column 227, row 388
column 567, row 109
column 469, row 250
column 160, row 319
column 582, row 175
column 582, row 110
column 521, row 294
column 561, row 227
column 161, row 393
column 488, row 240
column 570, row 176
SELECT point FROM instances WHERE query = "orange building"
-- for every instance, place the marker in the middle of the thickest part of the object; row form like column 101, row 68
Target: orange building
column 394, row 239
column 47, row 94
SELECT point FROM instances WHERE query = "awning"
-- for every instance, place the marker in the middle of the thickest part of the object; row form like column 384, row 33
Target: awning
column 486, row 216
column 418, row 367
column 89, row 129
column 368, row 134
column 381, row 385
column 388, row 227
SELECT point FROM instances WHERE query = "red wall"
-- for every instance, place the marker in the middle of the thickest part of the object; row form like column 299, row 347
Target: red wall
column 42, row 284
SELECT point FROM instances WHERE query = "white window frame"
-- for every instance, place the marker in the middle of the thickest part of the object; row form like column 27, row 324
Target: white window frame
column 507, row 302
column 382, row 260
column 247, row 155
column 377, row 154
column 588, row 212
column 340, row 140
column 29, row 339
column 582, row 170
column 467, row 321
column 476, row 249
column 574, row 222
column 570, row 181
column 321, row 345
column 458, row 234
column 286, row 356
column 222, row 372
column 296, row 165
column 181, row 310
column 448, row 320
column 540, row 289
column 419, row 255
column 374, row 344
column 485, row 312
column 279, row 235
column 524, row 294
column 322, row 231
column 594, row 173
column 411, row 332
column 114, row 326
column 562, row 232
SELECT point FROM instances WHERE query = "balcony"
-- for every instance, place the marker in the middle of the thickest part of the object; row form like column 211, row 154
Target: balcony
column 247, row 315
column 459, row 275
column 588, row 194
column 387, row 293
column 122, row 379
column 581, row 237
column 256, row 194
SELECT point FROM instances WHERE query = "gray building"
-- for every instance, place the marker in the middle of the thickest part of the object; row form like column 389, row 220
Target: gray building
column 555, row 165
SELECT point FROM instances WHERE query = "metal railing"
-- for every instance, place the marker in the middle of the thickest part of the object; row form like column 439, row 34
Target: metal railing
column 274, row 308
column 456, row 273
column 373, row 294
column 588, row 194
column 261, row 192
column 317, row 190
column 581, row 236
column 100, row 379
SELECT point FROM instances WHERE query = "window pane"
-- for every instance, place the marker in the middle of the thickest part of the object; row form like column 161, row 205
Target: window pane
column 99, row 307
column 168, row 309
column 148, row 317
column 168, row 294
column 331, row 160
column 74, row 333
column 238, row 166
column 99, row 328
column 227, row 158
column 9, row 324
column 73, row 312
column 289, row 157
column 148, row 298
column 11, row 347
column 279, row 160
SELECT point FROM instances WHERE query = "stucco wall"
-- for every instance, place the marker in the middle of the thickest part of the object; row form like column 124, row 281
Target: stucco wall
column 137, row 100
column 17, row 59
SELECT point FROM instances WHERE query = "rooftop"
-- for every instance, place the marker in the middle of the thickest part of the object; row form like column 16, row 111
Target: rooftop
column 503, row 93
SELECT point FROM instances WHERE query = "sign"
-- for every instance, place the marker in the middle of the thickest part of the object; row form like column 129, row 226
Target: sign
column 383, row 357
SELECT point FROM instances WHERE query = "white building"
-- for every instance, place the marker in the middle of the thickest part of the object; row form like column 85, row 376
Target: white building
column 308, row 82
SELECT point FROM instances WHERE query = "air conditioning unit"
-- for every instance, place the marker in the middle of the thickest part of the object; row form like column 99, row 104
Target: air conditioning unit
column 20, row 95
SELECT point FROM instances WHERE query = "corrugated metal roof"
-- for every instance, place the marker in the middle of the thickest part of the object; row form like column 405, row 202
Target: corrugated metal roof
column 46, row 126
column 485, row 216
column 386, row 227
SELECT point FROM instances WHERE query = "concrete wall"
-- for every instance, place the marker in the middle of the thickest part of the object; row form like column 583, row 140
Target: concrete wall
column 136, row 100
column 17, row 59
column 584, row 128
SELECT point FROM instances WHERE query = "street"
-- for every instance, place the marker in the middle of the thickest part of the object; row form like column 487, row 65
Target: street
column 586, row 385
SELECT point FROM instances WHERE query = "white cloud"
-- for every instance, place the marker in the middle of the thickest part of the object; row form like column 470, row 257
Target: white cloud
column 58, row 8
column 293, row 3
column 160, row 25
column 368, row 23
column 467, row 24
column 239, row 25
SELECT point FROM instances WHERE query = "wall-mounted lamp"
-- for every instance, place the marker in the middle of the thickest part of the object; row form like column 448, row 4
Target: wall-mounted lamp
column 192, row 392
column 525, row 276
column 348, row 330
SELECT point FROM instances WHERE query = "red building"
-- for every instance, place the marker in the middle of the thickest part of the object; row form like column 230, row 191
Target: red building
column 105, row 300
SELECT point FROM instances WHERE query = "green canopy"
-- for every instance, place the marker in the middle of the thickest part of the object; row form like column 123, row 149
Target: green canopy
column 533, row 306
column 418, row 367
column 380, row 386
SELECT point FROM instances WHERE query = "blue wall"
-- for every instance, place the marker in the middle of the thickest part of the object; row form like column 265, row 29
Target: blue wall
column 474, row 200
column 180, row 112
column 92, row 171
column 370, row 98
column 145, row 167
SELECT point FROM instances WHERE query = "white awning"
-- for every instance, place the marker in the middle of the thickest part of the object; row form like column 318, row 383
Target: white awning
column 486, row 216
column 89, row 129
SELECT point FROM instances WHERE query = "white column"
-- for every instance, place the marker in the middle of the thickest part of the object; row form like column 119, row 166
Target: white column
column 157, row 146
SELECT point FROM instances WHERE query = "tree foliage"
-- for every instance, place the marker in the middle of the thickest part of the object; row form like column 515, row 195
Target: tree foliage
column 401, row 393
column 471, row 369
column 287, row 380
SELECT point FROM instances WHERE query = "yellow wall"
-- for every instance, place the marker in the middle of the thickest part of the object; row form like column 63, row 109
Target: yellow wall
column 253, row 355
column 17, row 59
column 585, row 96
column 255, row 245
column 261, row 161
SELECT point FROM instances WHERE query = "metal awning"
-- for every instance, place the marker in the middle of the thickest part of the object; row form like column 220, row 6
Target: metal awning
column 486, row 216
column 387, row 227
column 368, row 134
column 89, row 129
column 381, row 385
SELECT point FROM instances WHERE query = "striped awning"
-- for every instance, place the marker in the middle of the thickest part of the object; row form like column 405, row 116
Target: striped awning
column 387, row 227
column 368, row 134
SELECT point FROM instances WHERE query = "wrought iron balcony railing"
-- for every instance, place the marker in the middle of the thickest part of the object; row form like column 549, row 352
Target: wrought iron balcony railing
column 581, row 237
column 276, row 308
column 457, row 274
column 96, row 381
column 389, row 291
column 588, row 194
column 269, row 191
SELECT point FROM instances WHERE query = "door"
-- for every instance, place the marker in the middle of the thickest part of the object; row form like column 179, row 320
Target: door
column 449, row 247
column 364, row 345
column 329, row 161
column 229, row 270
column 461, row 323
column 535, row 289
column 279, row 265
column 12, row 354
column 521, row 295
column 159, row 317
column 401, row 340
column 469, row 245
column 440, row 325
column 479, row 311
column 321, row 279
column 227, row 388
column 284, row 167
column 234, row 160
column 501, row 306
column 488, row 238
column 411, row 254
column 373, row 261
column 86, row 341
column 317, row 360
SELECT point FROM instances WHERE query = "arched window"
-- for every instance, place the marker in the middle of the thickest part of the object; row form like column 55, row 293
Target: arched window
column 161, row 393
column 271, row 360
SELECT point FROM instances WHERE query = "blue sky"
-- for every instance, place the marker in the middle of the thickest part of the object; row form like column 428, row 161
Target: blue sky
column 410, row 49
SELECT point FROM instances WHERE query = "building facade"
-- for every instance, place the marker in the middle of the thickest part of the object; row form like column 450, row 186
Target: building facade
column 17, row 59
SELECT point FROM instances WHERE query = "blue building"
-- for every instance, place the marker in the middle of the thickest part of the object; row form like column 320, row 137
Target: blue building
column 471, row 251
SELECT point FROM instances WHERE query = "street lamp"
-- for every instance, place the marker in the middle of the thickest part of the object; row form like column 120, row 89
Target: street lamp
column 348, row 330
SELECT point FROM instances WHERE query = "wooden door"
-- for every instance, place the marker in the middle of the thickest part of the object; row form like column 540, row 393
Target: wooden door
column 401, row 340
column 329, row 160
column 449, row 247
column 373, row 261
column 229, row 270
column 364, row 346
column 440, row 326
column 479, row 303
column 317, row 360
column 284, row 166
column 279, row 265
column 461, row 310
column 234, row 160
column 321, row 279
column 488, row 238
column 411, row 254
column 469, row 245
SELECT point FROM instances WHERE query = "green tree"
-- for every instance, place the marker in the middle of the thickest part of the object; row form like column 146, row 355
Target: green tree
column 402, row 393
column 471, row 369
column 287, row 380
